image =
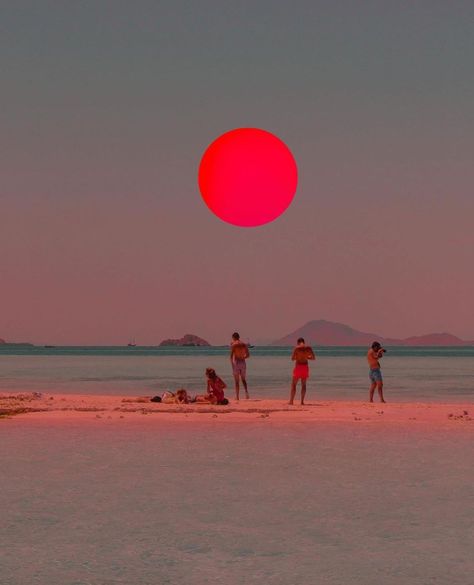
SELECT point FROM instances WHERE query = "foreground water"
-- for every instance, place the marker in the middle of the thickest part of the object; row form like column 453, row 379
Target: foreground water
column 420, row 374
column 151, row 503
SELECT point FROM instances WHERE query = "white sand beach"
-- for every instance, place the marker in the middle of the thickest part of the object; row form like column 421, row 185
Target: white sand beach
column 65, row 407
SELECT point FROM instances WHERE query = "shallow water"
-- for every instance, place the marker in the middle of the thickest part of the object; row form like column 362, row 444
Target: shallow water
column 411, row 374
column 216, row 502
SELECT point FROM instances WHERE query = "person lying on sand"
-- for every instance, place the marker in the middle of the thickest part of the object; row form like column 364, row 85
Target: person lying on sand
column 301, row 354
column 215, row 389
column 180, row 397
column 168, row 397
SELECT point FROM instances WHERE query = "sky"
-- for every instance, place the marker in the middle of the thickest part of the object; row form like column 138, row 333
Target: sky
column 108, row 106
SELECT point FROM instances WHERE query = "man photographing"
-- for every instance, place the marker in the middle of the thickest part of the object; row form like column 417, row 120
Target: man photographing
column 374, row 354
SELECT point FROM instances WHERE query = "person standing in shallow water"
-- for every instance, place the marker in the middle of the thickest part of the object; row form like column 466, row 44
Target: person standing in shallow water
column 374, row 354
column 239, row 352
column 301, row 354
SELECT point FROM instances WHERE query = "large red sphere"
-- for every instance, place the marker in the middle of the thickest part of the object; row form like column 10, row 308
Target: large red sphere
column 248, row 177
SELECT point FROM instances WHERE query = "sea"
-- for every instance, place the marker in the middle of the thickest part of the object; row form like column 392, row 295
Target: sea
column 438, row 374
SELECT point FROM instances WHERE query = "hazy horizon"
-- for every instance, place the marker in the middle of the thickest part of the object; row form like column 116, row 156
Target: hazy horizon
column 258, row 340
column 108, row 108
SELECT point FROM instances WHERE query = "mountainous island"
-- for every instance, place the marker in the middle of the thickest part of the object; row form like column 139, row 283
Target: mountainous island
column 323, row 332
column 189, row 340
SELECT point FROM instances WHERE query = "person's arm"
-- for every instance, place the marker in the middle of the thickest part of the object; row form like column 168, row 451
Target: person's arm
column 293, row 355
column 310, row 355
column 375, row 356
column 231, row 354
column 224, row 385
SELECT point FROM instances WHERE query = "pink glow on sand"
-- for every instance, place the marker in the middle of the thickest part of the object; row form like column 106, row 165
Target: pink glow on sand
column 65, row 408
column 248, row 177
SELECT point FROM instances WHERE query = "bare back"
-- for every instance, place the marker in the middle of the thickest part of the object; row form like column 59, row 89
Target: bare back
column 239, row 351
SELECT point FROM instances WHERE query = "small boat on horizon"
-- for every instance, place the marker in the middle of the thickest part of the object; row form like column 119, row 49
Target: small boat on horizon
column 132, row 343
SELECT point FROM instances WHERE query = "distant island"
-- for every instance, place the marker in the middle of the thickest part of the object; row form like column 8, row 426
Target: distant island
column 189, row 340
column 323, row 332
column 8, row 344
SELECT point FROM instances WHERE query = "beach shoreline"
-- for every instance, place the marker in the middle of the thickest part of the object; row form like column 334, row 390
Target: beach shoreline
column 57, row 408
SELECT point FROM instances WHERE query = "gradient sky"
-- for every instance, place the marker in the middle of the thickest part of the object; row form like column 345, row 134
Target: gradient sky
column 107, row 107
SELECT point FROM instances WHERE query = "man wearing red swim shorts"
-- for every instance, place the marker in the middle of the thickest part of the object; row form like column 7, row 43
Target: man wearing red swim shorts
column 301, row 354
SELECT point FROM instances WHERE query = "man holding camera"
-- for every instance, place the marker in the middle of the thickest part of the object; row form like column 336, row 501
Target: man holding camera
column 375, row 373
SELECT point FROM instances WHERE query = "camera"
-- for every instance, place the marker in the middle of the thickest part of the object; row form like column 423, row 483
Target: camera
column 383, row 350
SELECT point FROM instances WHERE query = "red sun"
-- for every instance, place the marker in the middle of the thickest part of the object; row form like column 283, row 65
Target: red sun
column 248, row 177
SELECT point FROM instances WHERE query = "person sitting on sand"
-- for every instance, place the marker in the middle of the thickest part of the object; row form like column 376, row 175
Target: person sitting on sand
column 215, row 389
column 301, row 354
column 375, row 353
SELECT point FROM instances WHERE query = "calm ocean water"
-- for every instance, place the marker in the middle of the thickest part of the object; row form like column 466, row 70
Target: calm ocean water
column 217, row 503
column 440, row 374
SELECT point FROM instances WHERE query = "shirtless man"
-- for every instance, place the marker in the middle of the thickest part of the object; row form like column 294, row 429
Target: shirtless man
column 301, row 354
column 239, row 352
column 375, row 353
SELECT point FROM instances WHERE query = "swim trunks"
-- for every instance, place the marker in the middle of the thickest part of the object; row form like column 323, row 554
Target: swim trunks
column 375, row 375
column 239, row 367
column 301, row 371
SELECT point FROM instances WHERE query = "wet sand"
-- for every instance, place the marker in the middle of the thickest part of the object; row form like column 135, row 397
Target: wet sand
column 63, row 408
column 112, row 490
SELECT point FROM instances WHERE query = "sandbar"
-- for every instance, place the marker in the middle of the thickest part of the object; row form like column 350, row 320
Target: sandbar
column 57, row 408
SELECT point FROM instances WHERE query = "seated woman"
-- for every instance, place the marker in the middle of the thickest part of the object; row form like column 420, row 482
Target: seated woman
column 215, row 389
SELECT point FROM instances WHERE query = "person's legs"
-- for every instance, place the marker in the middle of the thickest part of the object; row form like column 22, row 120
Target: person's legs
column 303, row 390
column 241, row 370
column 244, row 383
column 371, row 391
column 201, row 398
column 380, row 391
column 294, row 381
column 237, row 388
